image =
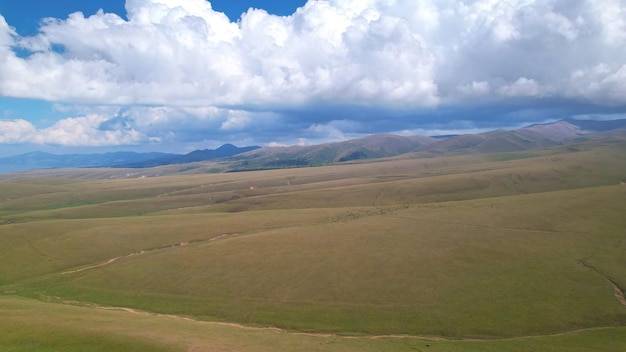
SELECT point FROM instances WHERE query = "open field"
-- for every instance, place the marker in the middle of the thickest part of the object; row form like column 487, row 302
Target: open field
column 62, row 327
column 510, row 251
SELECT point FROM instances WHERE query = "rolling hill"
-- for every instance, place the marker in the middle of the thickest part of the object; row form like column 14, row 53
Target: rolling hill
column 369, row 147
column 387, row 145
column 229, row 158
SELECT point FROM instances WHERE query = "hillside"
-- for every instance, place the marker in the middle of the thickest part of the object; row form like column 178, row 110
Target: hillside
column 570, row 129
column 228, row 157
column 534, row 241
column 369, row 147
column 489, row 142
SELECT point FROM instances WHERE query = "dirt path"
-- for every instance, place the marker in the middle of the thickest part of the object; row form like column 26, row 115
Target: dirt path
column 113, row 260
column 618, row 292
column 140, row 312
column 327, row 335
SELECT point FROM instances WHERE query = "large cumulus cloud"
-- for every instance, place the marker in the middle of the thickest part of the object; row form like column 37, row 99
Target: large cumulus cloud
column 184, row 53
column 408, row 61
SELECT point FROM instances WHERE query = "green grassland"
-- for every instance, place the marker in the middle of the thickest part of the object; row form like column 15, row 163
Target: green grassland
column 509, row 251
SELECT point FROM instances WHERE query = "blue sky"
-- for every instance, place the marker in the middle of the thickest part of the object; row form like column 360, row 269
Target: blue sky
column 178, row 75
column 26, row 15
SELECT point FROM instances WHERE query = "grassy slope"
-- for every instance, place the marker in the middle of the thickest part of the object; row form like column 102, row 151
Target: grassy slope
column 406, row 271
column 30, row 325
column 481, row 246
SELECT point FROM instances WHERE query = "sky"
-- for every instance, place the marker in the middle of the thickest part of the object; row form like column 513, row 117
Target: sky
column 179, row 75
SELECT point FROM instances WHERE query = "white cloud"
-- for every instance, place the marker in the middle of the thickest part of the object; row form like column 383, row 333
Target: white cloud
column 523, row 87
column 475, row 89
column 85, row 131
column 612, row 14
column 361, row 52
column 182, row 68
column 236, row 121
column 331, row 131
column 77, row 131
column 117, row 125
column 16, row 131
column 7, row 34
column 602, row 84
column 184, row 53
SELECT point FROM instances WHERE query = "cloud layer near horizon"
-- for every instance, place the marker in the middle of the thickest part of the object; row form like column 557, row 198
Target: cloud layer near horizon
column 179, row 68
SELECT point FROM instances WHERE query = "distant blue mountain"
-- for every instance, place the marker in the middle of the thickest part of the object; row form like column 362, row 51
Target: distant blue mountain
column 224, row 151
column 41, row 160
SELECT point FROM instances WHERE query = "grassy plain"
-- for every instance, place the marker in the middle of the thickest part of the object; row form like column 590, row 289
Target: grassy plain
column 467, row 253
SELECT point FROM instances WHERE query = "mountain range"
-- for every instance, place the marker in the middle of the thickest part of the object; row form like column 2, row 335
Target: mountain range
column 234, row 158
column 41, row 160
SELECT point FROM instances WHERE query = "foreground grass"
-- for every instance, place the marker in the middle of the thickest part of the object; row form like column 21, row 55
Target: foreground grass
column 35, row 326
column 30, row 325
